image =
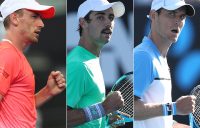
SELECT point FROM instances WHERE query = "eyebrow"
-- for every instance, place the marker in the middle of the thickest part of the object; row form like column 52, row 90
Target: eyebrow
column 100, row 13
column 33, row 12
column 103, row 13
column 176, row 11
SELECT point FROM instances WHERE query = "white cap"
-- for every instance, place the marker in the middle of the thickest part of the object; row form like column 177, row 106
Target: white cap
column 10, row 6
column 172, row 5
column 100, row 5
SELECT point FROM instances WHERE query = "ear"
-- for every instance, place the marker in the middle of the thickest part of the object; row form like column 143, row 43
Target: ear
column 14, row 19
column 83, row 23
column 152, row 15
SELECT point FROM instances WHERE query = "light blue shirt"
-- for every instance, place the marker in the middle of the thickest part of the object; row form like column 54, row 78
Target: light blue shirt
column 152, row 81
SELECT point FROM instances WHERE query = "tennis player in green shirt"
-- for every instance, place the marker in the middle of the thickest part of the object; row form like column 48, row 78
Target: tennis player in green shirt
column 87, row 105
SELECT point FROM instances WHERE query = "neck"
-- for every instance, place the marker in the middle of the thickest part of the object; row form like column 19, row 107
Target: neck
column 15, row 40
column 162, row 44
column 90, row 46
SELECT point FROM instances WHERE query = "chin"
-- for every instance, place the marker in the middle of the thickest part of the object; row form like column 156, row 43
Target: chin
column 173, row 40
column 34, row 40
column 105, row 42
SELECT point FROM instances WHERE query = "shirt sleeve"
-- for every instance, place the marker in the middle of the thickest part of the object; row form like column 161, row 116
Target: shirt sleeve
column 7, row 63
column 75, row 83
column 143, row 72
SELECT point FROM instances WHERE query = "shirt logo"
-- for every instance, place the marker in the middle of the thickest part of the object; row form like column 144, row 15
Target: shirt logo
column 4, row 73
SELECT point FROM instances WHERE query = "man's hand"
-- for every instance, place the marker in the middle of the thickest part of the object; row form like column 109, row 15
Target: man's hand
column 113, row 102
column 115, row 120
column 55, row 83
column 185, row 105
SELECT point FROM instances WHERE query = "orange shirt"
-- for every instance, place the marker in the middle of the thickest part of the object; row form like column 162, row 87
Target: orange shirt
column 17, row 85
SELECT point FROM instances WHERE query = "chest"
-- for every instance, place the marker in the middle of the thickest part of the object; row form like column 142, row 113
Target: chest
column 23, row 78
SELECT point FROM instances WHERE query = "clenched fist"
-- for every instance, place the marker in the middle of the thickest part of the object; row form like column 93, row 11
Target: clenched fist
column 185, row 105
column 113, row 102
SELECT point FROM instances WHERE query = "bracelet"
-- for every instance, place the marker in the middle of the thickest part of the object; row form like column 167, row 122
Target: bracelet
column 169, row 109
column 94, row 112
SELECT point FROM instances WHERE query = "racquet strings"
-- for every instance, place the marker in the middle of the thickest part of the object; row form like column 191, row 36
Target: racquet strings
column 196, row 113
column 125, row 86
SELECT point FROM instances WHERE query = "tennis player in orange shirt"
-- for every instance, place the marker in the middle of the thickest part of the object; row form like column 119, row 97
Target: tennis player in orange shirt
column 23, row 22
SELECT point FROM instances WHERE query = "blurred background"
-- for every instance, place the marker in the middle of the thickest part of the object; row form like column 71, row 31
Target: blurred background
column 49, row 54
column 183, row 56
column 116, row 56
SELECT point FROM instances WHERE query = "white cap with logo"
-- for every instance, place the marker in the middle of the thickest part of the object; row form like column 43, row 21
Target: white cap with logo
column 172, row 5
column 10, row 6
column 100, row 5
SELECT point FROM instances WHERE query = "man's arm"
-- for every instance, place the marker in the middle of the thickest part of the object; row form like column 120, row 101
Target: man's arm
column 75, row 117
column 184, row 106
column 55, row 85
column 112, row 103
column 145, row 111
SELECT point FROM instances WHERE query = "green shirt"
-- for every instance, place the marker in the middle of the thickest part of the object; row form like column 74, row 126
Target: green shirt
column 85, row 83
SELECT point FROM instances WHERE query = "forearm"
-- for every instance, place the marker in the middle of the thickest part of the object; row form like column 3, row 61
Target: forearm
column 79, row 116
column 145, row 111
column 183, row 106
column 42, row 96
column 87, row 114
column 75, row 117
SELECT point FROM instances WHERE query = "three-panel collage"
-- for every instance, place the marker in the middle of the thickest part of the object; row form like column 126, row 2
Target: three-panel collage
column 99, row 64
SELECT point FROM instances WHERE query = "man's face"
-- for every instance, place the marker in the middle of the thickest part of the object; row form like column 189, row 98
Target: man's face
column 100, row 27
column 169, row 24
column 30, row 25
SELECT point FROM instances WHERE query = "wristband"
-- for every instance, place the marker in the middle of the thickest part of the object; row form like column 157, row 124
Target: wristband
column 94, row 112
column 169, row 109
column 164, row 109
column 173, row 108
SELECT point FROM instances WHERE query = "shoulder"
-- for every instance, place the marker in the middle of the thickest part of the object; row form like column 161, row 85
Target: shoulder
column 143, row 59
column 144, row 51
column 142, row 55
column 74, row 55
column 8, row 52
column 76, row 67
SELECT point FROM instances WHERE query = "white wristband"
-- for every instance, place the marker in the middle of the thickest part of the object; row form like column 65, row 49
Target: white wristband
column 94, row 112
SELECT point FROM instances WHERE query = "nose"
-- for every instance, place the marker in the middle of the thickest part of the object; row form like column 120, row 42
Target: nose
column 40, row 23
column 177, row 24
column 109, row 23
column 179, row 21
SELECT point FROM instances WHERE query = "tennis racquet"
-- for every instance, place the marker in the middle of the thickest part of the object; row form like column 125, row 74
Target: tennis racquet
column 125, row 85
column 195, row 116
